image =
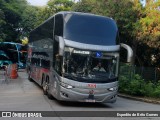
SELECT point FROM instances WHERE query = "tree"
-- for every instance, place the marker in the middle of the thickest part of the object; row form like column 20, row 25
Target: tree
column 123, row 13
column 150, row 25
column 86, row 6
column 12, row 10
column 149, row 33
column 42, row 14
column 29, row 20
column 2, row 23
column 55, row 6
column 18, row 18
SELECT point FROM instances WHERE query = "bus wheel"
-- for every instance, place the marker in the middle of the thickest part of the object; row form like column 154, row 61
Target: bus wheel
column 29, row 76
column 49, row 96
column 45, row 87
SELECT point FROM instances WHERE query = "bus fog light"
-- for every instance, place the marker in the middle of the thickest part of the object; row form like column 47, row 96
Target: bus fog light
column 69, row 87
column 64, row 94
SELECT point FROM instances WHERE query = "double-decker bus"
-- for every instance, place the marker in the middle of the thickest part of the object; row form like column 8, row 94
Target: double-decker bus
column 74, row 56
column 16, row 52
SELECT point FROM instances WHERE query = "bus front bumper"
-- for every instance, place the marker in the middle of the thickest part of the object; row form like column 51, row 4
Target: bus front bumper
column 71, row 95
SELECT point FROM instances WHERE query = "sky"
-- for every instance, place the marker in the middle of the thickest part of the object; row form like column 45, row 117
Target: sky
column 44, row 2
column 38, row 2
column 143, row 2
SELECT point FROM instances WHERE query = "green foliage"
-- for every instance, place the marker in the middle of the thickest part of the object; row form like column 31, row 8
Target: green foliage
column 29, row 20
column 2, row 23
column 149, row 89
column 11, row 10
column 148, row 32
column 150, row 24
column 2, row 17
column 86, row 6
column 55, row 6
column 40, row 15
column 123, row 84
column 133, row 87
column 18, row 18
column 138, row 87
column 156, row 92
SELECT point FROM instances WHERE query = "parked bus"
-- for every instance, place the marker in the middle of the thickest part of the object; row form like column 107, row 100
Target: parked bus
column 4, row 60
column 75, row 57
column 16, row 52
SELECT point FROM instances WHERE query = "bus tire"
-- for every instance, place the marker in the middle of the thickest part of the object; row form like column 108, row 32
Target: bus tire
column 48, row 94
column 29, row 76
column 45, row 87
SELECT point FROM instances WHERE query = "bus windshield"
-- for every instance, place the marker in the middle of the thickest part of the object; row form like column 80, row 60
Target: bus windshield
column 90, row 29
column 23, row 56
column 87, row 66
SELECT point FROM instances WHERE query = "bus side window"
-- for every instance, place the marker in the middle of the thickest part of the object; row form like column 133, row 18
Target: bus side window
column 45, row 63
column 58, row 31
column 34, row 61
column 38, row 62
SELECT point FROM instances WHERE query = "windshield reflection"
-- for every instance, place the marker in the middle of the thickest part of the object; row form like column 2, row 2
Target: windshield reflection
column 23, row 56
column 88, row 67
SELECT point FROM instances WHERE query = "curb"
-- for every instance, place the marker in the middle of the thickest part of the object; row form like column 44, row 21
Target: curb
column 139, row 99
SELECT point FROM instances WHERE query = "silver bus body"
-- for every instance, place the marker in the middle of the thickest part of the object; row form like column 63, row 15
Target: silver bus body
column 76, row 60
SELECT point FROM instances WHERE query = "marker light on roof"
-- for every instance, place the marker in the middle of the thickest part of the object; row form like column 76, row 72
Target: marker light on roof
column 98, row 54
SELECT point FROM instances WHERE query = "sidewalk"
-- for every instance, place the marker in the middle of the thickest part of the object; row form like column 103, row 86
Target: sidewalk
column 143, row 99
column 2, row 77
column 6, row 80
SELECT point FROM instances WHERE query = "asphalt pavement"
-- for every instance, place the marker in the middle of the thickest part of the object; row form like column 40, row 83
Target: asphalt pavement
column 22, row 95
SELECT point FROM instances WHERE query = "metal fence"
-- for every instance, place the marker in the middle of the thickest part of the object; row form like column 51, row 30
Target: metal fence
column 147, row 73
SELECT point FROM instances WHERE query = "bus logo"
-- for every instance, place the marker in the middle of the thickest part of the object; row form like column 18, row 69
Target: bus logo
column 92, row 85
column 6, row 114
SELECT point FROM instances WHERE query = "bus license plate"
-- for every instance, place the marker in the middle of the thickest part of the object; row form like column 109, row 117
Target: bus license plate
column 90, row 100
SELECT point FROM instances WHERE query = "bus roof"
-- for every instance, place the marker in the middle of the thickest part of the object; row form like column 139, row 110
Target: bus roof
column 71, row 12
column 10, row 43
column 78, row 27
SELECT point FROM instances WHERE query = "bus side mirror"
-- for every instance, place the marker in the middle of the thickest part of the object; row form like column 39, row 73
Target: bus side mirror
column 61, row 44
column 129, row 52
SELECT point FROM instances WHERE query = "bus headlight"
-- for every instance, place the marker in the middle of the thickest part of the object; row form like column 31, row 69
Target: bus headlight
column 66, row 85
column 113, row 89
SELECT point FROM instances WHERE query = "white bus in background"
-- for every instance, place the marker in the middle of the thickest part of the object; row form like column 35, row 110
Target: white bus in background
column 75, row 57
